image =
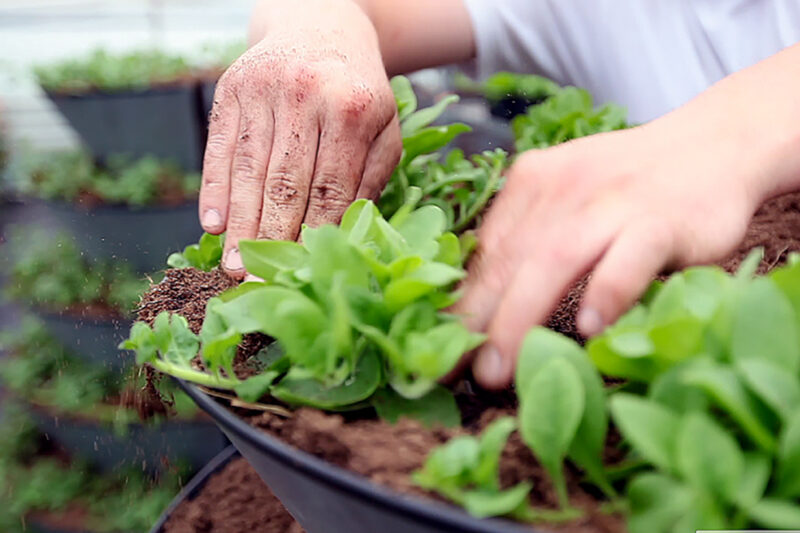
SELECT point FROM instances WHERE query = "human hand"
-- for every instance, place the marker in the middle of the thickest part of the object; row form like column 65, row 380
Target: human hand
column 627, row 204
column 303, row 124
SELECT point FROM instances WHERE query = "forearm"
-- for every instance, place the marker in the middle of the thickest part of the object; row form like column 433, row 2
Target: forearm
column 753, row 117
column 410, row 35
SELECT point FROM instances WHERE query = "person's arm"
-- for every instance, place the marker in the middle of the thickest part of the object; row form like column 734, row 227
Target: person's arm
column 675, row 192
column 305, row 121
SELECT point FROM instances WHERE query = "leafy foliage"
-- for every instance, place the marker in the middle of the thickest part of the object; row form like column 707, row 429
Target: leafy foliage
column 71, row 176
column 466, row 471
column 568, row 114
column 460, row 186
column 354, row 308
column 528, row 87
column 205, row 255
column 49, row 271
column 108, row 72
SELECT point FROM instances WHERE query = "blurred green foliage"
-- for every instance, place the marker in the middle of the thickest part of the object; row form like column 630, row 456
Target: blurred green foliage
column 111, row 72
column 48, row 271
column 73, row 175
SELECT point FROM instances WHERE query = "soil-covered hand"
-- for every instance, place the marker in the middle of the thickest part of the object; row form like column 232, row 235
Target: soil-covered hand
column 627, row 205
column 302, row 124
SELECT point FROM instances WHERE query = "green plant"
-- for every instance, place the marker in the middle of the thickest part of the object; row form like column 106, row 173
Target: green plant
column 466, row 471
column 461, row 187
column 109, row 72
column 49, row 271
column 205, row 255
column 354, row 308
column 568, row 114
column 72, row 176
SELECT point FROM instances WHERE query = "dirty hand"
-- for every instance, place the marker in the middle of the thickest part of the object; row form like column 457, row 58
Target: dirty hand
column 676, row 192
column 303, row 124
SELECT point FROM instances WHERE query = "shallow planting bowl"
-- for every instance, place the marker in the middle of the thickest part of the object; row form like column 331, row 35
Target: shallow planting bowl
column 196, row 485
column 165, row 122
column 143, row 237
column 151, row 447
column 327, row 499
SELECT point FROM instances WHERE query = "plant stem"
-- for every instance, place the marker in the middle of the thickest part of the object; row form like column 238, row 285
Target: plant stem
column 482, row 200
column 195, row 376
column 433, row 187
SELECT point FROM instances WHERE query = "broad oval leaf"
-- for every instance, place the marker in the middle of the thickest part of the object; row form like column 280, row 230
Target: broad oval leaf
column 649, row 427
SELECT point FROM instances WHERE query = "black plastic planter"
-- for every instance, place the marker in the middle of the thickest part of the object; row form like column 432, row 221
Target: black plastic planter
column 164, row 122
column 142, row 237
column 91, row 340
column 196, row 485
column 511, row 106
column 488, row 131
column 328, row 499
column 190, row 442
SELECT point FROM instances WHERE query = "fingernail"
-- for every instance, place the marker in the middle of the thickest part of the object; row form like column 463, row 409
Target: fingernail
column 589, row 322
column 490, row 367
column 251, row 277
column 233, row 261
column 211, row 219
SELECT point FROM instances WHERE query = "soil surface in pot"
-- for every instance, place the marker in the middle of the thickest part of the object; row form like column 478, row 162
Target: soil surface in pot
column 234, row 500
column 386, row 453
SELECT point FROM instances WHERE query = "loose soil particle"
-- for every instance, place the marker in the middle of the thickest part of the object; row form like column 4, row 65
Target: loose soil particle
column 234, row 500
column 387, row 454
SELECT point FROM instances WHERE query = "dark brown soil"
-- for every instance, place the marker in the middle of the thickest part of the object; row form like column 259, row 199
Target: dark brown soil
column 387, row 454
column 234, row 500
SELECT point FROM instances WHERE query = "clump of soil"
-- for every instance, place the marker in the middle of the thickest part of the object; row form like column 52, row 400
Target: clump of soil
column 234, row 500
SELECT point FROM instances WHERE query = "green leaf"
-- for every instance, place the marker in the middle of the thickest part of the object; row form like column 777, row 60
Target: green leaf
column 437, row 408
column 424, row 117
column 550, row 412
column 483, row 504
column 765, row 326
column 177, row 260
column 429, row 140
column 649, row 427
column 777, row 388
column 142, row 340
column 404, row 95
column 266, row 258
column 309, row 391
column 254, row 387
column 492, row 442
column 775, row 514
column 723, row 386
column 657, row 502
column 755, row 477
column 788, row 468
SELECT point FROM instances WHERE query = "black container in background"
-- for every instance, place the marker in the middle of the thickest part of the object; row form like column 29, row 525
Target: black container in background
column 327, row 499
column 196, row 485
column 163, row 122
column 143, row 237
column 90, row 340
column 151, row 447
column 511, row 106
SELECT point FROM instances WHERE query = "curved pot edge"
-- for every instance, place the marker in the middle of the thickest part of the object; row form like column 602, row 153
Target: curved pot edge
column 197, row 482
column 428, row 511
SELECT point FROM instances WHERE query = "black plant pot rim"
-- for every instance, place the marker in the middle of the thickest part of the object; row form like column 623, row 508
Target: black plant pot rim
column 221, row 460
column 117, row 209
column 174, row 86
column 427, row 511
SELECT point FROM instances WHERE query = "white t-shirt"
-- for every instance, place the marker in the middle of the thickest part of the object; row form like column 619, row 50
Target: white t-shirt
column 649, row 55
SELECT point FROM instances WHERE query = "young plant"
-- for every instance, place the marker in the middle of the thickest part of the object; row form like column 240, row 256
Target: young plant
column 465, row 470
column 568, row 114
column 461, row 187
column 354, row 308
column 562, row 411
column 205, row 255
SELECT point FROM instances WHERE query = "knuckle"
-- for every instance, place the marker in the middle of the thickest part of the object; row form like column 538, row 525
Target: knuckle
column 217, row 145
column 283, row 188
column 329, row 192
column 303, row 83
column 356, row 105
column 247, row 167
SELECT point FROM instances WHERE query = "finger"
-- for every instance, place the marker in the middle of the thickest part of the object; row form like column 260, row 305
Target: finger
column 624, row 273
column 294, row 153
column 383, row 157
column 248, row 170
column 223, row 130
column 539, row 283
column 340, row 163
